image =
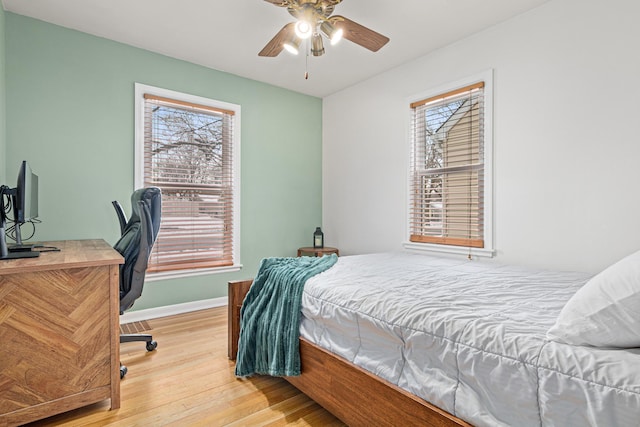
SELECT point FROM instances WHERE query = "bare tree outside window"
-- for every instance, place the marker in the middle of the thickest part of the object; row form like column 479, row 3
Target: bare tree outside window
column 188, row 154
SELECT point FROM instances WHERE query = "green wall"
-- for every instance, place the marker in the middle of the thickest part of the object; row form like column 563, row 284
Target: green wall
column 70, row 113
column 3, row 128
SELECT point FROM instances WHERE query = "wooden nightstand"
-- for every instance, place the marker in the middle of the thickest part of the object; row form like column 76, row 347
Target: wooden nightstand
column 310, row 251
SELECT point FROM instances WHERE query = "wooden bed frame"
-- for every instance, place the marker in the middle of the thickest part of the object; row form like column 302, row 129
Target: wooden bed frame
column 349, row 392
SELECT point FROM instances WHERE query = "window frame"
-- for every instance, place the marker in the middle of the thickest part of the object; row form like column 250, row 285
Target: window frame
column 488, row 249
column 140, row 91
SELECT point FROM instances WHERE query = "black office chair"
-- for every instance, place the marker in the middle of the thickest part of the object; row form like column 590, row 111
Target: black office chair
column 138, row 236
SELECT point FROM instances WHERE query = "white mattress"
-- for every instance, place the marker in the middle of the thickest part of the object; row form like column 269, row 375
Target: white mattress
column 469, row 337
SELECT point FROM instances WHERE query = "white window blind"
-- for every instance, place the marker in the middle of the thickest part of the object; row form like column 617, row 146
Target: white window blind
column 447, row 168
column 188, row 154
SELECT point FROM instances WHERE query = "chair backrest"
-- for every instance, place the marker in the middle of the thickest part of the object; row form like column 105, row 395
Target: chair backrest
column 138, row 236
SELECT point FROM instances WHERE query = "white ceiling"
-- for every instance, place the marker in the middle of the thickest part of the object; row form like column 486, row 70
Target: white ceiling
column 228, row 34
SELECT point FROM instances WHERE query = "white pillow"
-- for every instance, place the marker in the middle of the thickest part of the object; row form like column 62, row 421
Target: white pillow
column 605, row 312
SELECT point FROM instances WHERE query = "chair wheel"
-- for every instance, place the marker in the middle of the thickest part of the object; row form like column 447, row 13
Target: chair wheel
column 123, row 371
column 152, row 345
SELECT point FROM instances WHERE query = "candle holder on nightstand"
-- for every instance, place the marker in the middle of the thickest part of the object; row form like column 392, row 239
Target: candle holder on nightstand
column 318, row 238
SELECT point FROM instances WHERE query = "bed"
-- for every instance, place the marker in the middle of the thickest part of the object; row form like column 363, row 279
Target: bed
column 409, row 339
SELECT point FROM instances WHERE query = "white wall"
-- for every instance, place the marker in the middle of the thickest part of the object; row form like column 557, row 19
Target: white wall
column 566, row 138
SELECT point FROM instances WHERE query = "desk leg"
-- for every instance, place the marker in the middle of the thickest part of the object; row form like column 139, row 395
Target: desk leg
column 114, row 304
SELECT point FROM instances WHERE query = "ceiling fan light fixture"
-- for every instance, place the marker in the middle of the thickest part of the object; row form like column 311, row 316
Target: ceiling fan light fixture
column 314, row 20
column 334, row 34
column 317, row 47
column 303, row 29
column 293, row 45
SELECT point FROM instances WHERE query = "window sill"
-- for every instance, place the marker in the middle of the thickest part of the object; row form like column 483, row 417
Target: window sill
column 456, row 250
column 177, row 274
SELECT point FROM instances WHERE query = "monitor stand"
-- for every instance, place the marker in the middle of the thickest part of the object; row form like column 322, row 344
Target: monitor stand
column 4, row 251
column 6, row 254
column 20, row 248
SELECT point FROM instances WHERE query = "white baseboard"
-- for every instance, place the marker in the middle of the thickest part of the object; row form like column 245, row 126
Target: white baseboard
column 170, row 310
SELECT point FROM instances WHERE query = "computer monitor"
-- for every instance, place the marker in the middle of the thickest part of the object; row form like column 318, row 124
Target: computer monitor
column 25, row 199
column 24, row 203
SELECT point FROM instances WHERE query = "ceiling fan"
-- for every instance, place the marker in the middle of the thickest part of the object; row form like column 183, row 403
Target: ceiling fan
column 314, row 19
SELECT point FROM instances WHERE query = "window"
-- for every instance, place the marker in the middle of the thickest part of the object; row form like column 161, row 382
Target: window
column 449, row 199
column 188, row 146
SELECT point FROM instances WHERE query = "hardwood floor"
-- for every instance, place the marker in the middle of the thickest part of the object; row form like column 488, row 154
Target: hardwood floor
column 188, row 381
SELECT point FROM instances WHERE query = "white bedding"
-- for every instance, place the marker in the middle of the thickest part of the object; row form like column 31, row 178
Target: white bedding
column 469, row 337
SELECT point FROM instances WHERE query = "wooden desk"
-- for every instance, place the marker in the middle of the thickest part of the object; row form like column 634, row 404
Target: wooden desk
column 59, row 331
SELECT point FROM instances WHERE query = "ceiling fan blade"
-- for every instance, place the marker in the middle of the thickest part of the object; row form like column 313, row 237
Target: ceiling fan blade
column 276, row 44
column 281, row 3
column 359, row 34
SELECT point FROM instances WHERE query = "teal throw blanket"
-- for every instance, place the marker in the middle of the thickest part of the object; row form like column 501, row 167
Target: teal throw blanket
column 270, row 316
